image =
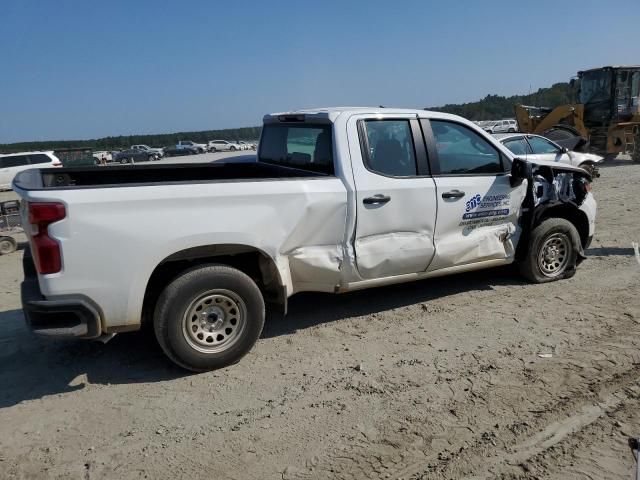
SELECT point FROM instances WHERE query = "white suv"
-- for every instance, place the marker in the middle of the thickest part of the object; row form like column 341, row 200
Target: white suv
column 222, row 146
column 501, row 126
column 13, row 163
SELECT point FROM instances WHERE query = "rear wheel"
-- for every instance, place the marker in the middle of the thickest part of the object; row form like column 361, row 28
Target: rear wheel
column 8, row 245
column 553, row 251
column 233, row 149
column 209, row 317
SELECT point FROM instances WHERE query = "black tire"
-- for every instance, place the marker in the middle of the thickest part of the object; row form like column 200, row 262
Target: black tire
column 179, row 326
column 151, row 158
column 214, row 150
column 233, row 149
column 561, row 262
column 8, row 245
column 512, row 130
column 591, row 169
column 635, row 155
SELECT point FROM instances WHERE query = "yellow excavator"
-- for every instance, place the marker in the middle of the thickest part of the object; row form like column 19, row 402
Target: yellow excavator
column 605, row 118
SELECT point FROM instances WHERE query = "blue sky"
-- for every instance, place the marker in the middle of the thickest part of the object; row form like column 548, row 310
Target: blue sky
column 87, row 69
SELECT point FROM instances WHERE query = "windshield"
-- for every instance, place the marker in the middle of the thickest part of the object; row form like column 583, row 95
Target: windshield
column 304, row 146
column 595, row 86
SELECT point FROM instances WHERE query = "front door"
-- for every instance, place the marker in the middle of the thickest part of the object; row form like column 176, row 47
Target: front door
column 478, row 210
column 395, row 196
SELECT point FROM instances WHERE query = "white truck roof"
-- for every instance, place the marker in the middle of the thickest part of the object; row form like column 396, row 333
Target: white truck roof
column 332, row 113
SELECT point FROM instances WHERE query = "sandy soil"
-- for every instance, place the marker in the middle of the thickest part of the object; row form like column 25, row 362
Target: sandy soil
column 436, row 379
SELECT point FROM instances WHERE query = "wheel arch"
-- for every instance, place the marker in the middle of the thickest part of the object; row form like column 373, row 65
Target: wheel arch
column 572, row 214
column 250, row 260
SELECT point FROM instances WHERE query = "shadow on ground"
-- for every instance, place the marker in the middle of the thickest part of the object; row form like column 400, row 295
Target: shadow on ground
column 610, row 251
column 32, row 367
column 309, row 309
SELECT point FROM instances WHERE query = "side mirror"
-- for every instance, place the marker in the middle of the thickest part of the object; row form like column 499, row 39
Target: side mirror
column 564, row 150
column 520, row 170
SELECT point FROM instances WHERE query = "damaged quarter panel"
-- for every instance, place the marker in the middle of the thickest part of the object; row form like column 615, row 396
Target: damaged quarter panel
column 313, row 247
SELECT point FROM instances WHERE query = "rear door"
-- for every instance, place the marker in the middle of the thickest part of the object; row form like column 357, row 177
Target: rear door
column 395, row 195
column 478, row 210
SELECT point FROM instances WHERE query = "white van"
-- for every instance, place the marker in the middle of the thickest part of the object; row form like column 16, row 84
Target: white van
column 11, row 164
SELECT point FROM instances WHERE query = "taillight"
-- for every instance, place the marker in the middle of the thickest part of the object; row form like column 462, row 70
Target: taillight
column 46, row 251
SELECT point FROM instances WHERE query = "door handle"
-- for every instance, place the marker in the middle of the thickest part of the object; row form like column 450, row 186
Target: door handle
column 376, row 200
column 453, row 194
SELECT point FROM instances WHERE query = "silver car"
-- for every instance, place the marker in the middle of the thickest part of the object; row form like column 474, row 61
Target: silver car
column 536, row 147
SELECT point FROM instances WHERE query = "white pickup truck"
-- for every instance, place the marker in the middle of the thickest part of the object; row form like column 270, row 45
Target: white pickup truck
column 337, row 200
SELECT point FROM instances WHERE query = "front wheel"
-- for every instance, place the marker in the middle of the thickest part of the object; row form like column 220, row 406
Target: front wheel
column 209, row 317
column 553, row 251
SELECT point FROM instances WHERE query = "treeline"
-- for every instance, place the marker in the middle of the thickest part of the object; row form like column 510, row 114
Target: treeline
column 495, row 107
column 125, row 141
column 492, row 107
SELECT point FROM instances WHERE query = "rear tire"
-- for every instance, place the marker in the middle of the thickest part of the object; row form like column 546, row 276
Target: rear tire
column 233, row 149
column 209, row 317
column 553, row 251
column 8, row 245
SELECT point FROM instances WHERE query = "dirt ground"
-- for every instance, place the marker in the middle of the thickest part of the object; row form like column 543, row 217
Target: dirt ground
column 437, row 379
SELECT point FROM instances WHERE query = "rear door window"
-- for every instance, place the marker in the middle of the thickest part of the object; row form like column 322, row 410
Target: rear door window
column 541, row 146
column 389, row 148
column 518, row 146
column 39, row 158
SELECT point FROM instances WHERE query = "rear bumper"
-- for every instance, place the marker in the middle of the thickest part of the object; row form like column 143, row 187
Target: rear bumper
column 75, row 318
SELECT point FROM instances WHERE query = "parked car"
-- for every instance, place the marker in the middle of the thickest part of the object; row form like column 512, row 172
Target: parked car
column 134, row 155
column 199, row 147
column 247, row 145
column 180, row 152
column 535, row 148
column 222, row 146
column 102, row 157
column 11, row 164
column 158, row 151
column 501, row 126
column 208, row 245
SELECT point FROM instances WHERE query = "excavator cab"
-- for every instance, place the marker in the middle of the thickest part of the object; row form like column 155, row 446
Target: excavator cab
column 606, row 112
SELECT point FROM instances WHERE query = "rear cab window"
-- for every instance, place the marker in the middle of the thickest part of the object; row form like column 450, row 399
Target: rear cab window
column 306, row 146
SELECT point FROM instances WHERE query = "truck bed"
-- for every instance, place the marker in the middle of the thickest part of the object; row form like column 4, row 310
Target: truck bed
column 153, row 174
